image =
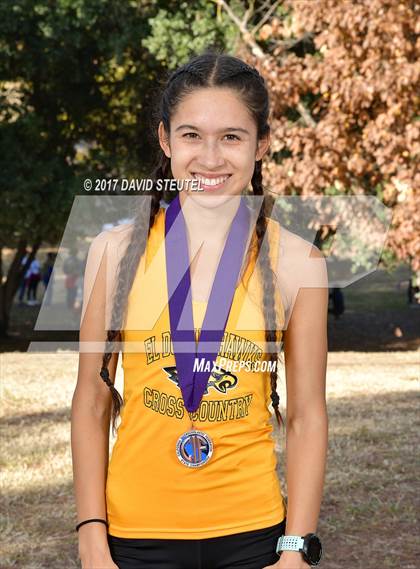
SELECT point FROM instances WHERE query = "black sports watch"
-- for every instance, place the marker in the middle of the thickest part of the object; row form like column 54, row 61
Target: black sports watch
column 309, row 545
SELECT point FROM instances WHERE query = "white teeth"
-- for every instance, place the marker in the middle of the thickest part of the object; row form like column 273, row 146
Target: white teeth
column 211, row 181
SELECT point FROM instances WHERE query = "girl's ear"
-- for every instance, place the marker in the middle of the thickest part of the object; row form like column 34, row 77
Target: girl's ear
column 164, row 140
column 262, row 147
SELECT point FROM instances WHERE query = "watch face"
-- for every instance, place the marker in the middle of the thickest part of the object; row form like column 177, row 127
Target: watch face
column 314, row 551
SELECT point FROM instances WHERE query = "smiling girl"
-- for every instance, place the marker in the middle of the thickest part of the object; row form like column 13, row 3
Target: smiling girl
column 192, row 479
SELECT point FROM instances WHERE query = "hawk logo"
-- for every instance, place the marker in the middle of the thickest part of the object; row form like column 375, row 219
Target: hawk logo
column 220, row 379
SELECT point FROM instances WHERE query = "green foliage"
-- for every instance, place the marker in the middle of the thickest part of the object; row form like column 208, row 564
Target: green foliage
column 389, row 260
column 73, row 70
column 85, row 71
column 37, row 184
column 78, row 83
column 191, row 28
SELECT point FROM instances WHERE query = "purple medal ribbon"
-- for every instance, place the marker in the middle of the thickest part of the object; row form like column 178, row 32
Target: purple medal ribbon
column 194, row 383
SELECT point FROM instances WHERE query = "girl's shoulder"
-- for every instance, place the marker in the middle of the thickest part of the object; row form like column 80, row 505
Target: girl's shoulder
column 300, row 264
column 115, row 240
column 110, row 243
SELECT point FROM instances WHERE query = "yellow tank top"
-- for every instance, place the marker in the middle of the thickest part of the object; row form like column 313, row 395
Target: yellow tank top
column 149, row 492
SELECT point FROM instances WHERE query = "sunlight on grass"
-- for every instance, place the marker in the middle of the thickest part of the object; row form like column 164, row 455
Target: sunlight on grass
column 370, row 482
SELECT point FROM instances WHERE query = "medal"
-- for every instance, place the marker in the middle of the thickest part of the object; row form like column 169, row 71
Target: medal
column 194, row 448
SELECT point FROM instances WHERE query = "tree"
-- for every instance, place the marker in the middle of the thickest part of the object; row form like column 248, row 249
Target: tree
column 72, row 73
column 77, row 84
column 343, row 77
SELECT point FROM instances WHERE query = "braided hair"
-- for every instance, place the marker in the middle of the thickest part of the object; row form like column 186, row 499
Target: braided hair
column 209, row 69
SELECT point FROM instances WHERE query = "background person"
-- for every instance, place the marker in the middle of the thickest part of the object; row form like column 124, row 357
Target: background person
column 47, row 270
column 72, row 268
column 33, row 276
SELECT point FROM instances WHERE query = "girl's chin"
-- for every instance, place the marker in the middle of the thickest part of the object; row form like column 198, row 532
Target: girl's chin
column 209, row 200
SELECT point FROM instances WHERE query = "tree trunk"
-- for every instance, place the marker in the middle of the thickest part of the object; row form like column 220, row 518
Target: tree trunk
column 14, row 276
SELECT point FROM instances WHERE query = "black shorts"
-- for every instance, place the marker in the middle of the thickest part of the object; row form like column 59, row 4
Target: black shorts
column 246, row 550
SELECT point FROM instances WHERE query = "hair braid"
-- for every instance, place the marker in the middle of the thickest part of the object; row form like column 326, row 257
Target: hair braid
column 126, row 273
column 268, row 286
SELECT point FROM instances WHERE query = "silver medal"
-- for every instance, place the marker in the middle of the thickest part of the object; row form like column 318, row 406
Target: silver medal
column 194, row 448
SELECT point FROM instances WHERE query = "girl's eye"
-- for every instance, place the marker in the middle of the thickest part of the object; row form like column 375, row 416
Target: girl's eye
column 193, row 135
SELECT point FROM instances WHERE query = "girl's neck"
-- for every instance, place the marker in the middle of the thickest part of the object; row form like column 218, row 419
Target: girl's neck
column 203, row 222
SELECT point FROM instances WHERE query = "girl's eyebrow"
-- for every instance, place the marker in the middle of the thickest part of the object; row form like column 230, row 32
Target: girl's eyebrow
column 229, row 128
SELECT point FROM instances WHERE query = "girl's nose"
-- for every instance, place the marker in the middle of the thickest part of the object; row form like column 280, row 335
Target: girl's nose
column 210, row 156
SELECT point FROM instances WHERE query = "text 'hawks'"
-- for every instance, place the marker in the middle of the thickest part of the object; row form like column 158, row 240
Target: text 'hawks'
column 232, row 346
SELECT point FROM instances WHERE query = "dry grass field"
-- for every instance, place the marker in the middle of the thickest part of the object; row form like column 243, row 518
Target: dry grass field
column 368, row 518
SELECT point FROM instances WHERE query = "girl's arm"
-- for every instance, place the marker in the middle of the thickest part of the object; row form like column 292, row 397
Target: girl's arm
column 305, row 347
column 91, row 412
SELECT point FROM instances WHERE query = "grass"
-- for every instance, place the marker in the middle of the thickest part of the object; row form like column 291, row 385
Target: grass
column 380, row 290
column 368, row 516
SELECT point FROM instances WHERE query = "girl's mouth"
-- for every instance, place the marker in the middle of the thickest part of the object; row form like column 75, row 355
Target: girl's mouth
column 211, row 183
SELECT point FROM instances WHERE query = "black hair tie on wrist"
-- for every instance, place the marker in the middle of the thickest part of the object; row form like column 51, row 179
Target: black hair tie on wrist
column 91, row 520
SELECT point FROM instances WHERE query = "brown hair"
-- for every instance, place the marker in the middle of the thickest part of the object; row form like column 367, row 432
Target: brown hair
column 210, row 69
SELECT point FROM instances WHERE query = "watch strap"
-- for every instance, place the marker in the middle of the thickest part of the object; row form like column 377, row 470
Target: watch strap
column 290, row 543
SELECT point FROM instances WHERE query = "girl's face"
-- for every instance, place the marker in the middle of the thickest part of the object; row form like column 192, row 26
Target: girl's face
column 213, row 138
